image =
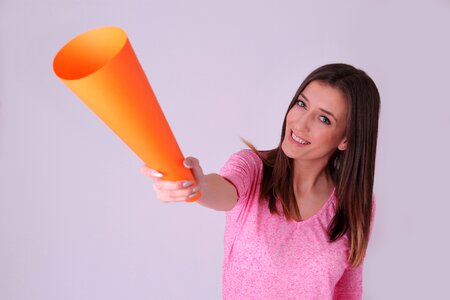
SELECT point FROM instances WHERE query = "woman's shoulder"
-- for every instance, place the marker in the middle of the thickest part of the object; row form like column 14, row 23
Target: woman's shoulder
column 243, row 170
column 247, row 157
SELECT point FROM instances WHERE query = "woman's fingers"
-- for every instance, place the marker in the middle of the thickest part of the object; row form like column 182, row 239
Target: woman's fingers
column 176, row 191
column 149, row 172
column 168, row 190
column 175, row 194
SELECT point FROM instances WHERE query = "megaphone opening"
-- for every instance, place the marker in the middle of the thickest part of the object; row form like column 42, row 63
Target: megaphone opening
column 88, row 52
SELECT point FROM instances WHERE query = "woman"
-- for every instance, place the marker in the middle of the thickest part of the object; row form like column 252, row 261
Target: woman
column 298, row 217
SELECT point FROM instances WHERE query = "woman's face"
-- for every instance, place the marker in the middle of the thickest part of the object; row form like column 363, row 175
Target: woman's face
column 318, row 120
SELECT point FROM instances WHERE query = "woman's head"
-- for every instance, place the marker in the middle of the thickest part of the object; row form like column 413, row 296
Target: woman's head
column 315, row 125
column 352, row 98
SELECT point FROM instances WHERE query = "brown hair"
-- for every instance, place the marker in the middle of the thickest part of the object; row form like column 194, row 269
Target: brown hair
column 352, row 170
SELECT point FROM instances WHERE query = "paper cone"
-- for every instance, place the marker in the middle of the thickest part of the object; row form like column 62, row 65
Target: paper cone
column 101, row 68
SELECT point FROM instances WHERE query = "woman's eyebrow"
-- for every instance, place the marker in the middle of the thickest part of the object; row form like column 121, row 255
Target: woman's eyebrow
column 325, row 111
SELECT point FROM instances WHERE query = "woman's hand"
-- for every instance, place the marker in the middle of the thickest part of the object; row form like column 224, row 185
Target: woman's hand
column 176, row 191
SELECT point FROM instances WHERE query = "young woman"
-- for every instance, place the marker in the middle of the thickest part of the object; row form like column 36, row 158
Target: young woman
column 298, row 217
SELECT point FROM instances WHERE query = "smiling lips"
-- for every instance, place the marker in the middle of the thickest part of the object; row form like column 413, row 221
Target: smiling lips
column 299, row 139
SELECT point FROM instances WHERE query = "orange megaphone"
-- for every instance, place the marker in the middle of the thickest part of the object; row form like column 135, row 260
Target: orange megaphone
column 101, row 67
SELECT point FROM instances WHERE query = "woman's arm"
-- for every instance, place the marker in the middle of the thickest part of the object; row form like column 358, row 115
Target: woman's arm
column 218, row 193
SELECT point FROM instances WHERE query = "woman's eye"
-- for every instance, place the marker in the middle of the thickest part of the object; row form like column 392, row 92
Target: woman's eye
column 302, row 103
column 325, row 120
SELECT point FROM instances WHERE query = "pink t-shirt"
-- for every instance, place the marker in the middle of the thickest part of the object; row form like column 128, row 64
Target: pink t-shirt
column 268, row 257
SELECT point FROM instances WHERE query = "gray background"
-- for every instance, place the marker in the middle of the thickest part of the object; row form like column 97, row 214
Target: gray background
column 78, row 220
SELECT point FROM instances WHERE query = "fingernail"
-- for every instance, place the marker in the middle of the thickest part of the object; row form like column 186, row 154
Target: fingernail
column 157, row 174
column 187, row 163
column 187, row 183
column 195, row 189
column 191, row 195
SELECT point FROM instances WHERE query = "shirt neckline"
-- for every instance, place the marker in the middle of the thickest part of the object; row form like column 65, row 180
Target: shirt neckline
column 318, row 213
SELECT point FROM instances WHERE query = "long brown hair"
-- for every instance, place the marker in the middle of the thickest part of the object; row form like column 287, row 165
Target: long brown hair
column 352, row 170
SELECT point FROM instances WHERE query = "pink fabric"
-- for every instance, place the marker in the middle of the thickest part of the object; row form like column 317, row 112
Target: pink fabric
column 268, row 257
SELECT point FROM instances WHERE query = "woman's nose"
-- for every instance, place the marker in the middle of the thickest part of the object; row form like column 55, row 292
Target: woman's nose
column 303, row 123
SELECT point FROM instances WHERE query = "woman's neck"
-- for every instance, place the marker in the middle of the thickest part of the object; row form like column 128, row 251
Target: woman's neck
column 310, row 176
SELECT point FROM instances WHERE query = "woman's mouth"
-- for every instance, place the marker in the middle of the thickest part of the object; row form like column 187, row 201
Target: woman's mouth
column 298, row 139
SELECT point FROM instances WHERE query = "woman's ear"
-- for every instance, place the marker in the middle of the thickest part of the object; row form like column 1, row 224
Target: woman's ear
column 343, row 145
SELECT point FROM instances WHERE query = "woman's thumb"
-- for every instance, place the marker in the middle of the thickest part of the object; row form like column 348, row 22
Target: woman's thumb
column 188, row 163
column 193, row 163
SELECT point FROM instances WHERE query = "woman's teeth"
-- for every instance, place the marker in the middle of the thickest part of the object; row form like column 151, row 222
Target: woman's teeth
column 299, row 140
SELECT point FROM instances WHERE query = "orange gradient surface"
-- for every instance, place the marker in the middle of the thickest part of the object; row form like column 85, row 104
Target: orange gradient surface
column 101, row 68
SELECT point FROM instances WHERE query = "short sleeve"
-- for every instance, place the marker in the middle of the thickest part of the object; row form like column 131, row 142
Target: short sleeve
column 242, row 169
